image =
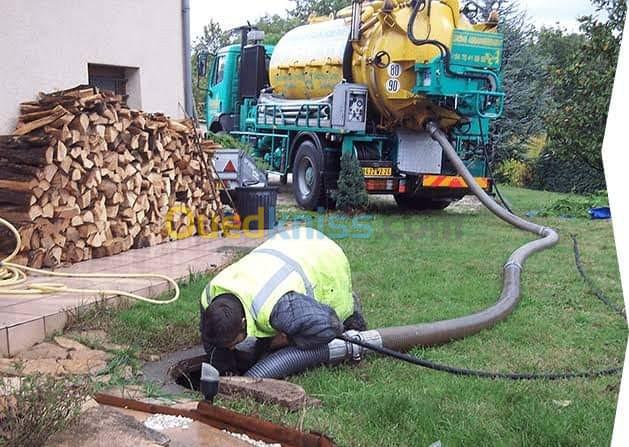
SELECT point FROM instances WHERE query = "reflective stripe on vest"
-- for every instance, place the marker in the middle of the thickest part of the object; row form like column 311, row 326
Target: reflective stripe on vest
column 290, row 266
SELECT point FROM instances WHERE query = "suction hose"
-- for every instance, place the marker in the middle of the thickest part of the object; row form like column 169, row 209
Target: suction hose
column 428, row 334
column 284, row 362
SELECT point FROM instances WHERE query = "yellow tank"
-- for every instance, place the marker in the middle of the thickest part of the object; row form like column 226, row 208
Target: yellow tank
column 311, row 59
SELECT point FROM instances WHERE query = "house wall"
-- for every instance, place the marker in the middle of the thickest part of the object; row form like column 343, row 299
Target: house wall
column 46, row 45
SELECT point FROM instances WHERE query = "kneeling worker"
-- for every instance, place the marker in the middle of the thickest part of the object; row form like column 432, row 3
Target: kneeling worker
column 294, row 289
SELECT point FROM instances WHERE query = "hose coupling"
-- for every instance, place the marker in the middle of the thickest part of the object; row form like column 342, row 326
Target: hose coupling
column 354, row 352
column 432, row 128
column 513, row 264
column 544, row 231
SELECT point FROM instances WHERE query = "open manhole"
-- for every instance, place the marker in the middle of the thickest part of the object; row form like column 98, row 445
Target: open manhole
column 187, row 373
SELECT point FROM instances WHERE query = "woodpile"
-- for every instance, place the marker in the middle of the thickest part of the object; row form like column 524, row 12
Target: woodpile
column 84, row 177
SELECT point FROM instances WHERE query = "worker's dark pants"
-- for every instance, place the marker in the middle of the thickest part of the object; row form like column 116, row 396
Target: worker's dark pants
column 238, row 361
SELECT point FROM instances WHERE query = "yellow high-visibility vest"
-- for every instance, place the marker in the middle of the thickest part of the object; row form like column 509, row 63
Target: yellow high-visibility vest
column 299, row 260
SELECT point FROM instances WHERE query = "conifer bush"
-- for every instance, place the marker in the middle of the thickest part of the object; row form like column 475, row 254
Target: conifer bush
column 351, row 195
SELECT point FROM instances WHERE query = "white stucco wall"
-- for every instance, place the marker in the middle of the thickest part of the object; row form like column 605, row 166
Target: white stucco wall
column 47, row 44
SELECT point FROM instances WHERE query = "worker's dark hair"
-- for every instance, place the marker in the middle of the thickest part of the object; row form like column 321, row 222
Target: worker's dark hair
column 222, row 320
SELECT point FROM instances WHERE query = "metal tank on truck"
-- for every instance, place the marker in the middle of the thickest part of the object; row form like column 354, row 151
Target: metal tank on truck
column 365, row 82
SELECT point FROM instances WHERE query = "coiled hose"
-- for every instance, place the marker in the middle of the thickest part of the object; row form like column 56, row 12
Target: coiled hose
column 282, row 363
column 13, row 278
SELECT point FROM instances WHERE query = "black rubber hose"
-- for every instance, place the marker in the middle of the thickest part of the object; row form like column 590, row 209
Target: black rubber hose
column 482, row 374
column 490, row 169
column 288, row 361
column 593, row 287
column 443, row 49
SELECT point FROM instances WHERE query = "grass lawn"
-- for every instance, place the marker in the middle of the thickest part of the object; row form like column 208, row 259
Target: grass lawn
column 424, row 267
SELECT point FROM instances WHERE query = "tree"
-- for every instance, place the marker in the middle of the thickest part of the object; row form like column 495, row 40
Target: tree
column 213, row 39
column 275, row 27
column 581, row 88
column 305, row 8
column 523, row 73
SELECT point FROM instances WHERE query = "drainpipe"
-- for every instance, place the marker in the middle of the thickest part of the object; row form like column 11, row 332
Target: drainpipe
column 187, row 58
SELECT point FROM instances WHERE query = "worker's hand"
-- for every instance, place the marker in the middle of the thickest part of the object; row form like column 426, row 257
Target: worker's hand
column 279, row 341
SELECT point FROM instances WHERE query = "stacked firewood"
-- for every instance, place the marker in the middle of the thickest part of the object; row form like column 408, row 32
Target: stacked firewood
column 84, row 177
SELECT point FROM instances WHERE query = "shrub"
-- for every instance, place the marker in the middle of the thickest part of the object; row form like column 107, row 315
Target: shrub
column 515, row 172
column 351, row 195
column 39, row 408
column 227, row 141
column 552, row 173
column 574, row 206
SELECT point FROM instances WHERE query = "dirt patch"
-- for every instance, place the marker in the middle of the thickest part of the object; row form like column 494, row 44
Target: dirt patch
column 467, row 205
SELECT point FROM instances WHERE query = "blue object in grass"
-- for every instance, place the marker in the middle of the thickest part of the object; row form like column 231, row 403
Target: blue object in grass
column 601, row 213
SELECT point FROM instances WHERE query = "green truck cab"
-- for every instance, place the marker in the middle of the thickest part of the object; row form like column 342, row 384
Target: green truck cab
column 223, row 100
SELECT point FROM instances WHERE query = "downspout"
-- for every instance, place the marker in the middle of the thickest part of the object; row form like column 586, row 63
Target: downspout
column 187, row 58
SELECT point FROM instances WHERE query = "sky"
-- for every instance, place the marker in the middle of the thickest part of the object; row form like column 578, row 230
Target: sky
column 237, row 12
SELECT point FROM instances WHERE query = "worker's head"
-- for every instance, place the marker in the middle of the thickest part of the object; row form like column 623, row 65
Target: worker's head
column 224, row 323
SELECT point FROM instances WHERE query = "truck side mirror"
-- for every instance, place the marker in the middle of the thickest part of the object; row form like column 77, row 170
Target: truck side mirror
column 202, row 59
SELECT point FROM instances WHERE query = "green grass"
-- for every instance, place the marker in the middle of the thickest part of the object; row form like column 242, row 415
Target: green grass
column 147, row 328
column 425, row 267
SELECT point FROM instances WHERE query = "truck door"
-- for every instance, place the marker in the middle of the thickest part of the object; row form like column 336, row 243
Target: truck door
column 217, row 89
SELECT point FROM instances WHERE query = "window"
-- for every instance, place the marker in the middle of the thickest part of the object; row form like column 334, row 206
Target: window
column 220, row 71
column 123, row 81
column 107, row 77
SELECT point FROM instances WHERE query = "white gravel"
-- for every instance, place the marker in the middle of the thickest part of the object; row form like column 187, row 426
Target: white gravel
column 161, row 422
column 248, row 440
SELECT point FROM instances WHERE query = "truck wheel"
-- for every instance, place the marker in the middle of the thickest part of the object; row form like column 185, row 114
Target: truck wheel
column 413, row 202
column 307, row 176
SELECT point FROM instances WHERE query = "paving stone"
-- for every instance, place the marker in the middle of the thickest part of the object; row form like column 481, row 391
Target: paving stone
column 113, row 347
column 135, row 392
column 50, row 367
column 84, row 366
column 43, row 351
column 285, row 394
column 92, row 337
column 90, row 355
column 104, row 379
column 68, row 343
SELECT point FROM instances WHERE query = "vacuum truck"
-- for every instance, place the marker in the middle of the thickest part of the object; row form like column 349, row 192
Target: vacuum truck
column 364, row 82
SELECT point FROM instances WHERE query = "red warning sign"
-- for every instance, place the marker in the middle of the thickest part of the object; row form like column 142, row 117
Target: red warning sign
column 229, row 167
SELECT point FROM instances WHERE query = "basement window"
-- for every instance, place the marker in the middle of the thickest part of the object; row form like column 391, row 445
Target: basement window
column 123, row 81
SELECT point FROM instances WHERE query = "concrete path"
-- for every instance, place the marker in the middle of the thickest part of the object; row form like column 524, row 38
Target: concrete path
column 29, row 319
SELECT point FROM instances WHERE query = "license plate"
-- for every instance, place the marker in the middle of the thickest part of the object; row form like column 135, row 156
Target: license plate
column 377, row 172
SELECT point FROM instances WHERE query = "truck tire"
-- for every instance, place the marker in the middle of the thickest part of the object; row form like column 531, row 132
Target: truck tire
column 413, row 202
column 307, row 176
